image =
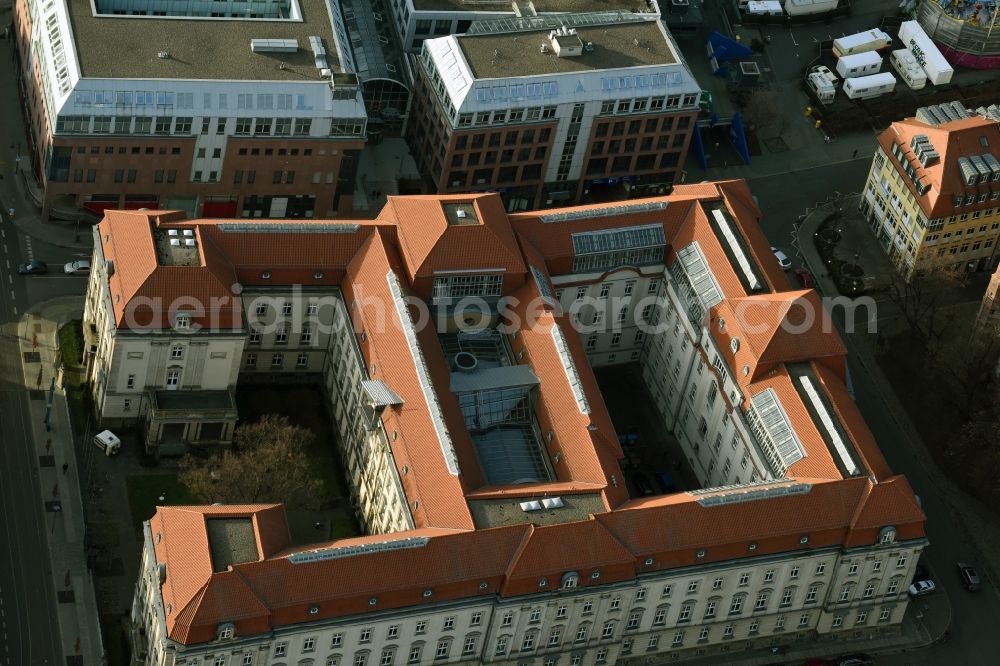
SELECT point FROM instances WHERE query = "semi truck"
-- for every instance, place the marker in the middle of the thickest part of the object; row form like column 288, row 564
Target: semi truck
column 870, row 87
column 859, row 64
column 869, row 40
column 823, row 83
column 908, row 68
column 926, row 53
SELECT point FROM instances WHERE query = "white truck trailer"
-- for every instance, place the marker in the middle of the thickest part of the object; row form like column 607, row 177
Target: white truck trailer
column 803, row 7
column 924, row 51
column 859, row 64
column 764, row 8
column 870, row 87
column 908, row 68
column 869, row 40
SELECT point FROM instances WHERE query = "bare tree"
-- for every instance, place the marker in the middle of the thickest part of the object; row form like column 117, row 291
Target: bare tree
column 974, row 452
column 760, row 110
column 924, row 299
column 970, row 370
column 268, row 463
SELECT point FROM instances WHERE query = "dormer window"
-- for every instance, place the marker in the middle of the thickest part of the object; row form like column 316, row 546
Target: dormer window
column 570, row 580
column 887, row 535
column 226, row 631
column 182, row 321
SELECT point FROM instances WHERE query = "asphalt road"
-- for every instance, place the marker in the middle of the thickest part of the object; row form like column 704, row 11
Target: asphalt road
column 29, row 632
column 782, row 199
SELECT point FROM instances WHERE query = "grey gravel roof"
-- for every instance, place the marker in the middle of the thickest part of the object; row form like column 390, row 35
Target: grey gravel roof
column 615, row 46
column 199, row 48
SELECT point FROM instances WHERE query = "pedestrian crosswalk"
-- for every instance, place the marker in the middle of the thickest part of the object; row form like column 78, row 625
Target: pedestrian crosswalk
column 28, row 248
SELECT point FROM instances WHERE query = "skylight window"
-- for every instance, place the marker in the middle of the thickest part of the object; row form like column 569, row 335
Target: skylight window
column 774, row 432
column 736, row 249
column 829, row 426
column 697, row 283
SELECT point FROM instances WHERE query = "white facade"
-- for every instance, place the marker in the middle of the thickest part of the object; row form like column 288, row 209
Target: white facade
column 680, row 614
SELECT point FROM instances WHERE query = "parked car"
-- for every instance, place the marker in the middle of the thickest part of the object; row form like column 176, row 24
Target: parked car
column 642, row 484
column 782, row 258
column 854, row 660
column 805, row 278
column 921, row 587
column 33, row 268
column 969, row 576
column 80, row 267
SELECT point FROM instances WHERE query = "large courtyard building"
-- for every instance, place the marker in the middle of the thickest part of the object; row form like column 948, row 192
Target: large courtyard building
column 549, row 115
column 933, row 190
column 455, row 343
column 220, row 109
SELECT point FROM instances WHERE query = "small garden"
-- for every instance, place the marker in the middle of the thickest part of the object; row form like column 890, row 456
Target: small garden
column 71, row 344
column 847, row 274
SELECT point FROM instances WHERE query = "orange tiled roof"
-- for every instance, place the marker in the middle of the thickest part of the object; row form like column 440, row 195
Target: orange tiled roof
column 959, row 138
column 436, row 461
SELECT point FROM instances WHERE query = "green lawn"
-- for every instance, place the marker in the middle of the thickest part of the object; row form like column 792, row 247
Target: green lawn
column 71, row 349
column 144, row 491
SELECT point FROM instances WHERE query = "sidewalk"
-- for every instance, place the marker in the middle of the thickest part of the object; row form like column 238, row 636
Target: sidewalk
column 17, row 187
column 77, row 608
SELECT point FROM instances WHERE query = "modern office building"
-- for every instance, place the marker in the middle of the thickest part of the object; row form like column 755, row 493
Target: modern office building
column 933, row 190
column 454, row 342
column 220, row 109
column 599, row 104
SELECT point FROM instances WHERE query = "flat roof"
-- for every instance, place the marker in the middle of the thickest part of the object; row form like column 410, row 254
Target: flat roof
column 126, row 47
column 489, row 513
column 541, row 6
column 518, row 54
column 231, row 541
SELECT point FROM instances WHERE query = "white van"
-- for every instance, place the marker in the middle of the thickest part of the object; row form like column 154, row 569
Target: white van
column 108, row 442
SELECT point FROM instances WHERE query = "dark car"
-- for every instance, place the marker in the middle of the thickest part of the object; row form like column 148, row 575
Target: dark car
column 854, row 660
column 666, row 482
column 969, row 576
column 805, row 278
column 33, row 268
column 642, row 484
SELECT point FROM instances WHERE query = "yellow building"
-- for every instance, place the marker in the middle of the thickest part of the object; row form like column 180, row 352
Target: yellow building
column 933, row 190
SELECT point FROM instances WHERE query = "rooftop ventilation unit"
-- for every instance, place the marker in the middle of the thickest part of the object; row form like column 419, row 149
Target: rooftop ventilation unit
column 274, row 45
column 533, row 505
column 994, row 166
column 553, row 503
column 175, row 242
column 984, row 170
column 189, row 232
column 970, row 175
column 171, row 232
column 190, row 242
column 461, row 214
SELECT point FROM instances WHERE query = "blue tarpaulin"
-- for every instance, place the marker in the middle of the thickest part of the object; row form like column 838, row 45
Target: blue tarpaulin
column 722, row 48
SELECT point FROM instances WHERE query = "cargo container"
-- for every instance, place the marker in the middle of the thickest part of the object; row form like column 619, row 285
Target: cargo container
column 924, row 51
column 869, row 40
column 803, row 7
column 859, row 64
column 868, row 87
column 908, row 68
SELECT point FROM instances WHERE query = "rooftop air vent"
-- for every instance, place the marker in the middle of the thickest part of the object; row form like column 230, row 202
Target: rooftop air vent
column 175, row 242
column 461, row 214
column 274, row 45
column 465, row 362
column 109, row 266
column 172, row 232
column 533, row 505
column 189, row 232
column 190, row 242
column 553, row 503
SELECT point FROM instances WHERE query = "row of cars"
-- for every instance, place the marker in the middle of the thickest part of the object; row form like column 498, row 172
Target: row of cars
column 802, row 275
column 36, row 267
column 923, row 585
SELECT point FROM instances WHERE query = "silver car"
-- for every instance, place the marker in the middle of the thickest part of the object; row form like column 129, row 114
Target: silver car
column 782, row 258
column 77, row 268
